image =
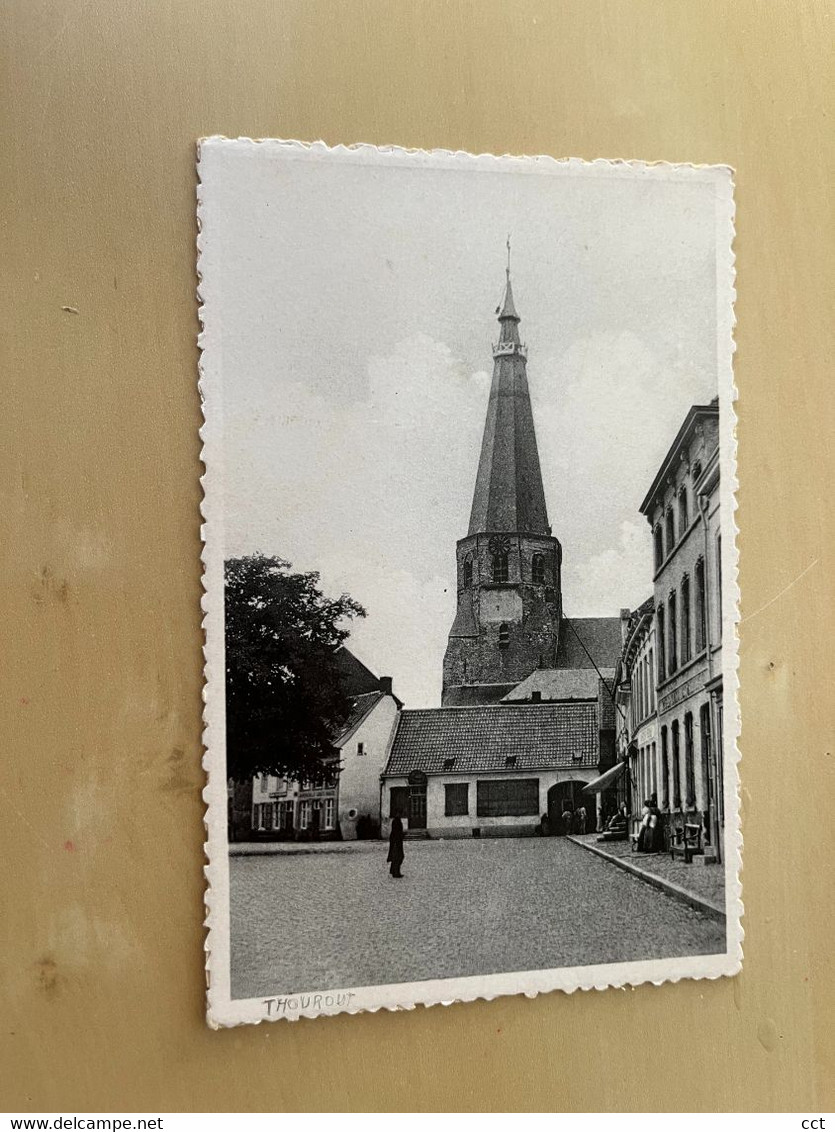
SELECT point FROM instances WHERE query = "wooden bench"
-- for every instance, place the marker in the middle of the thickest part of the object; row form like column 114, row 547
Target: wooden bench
column 686, row 841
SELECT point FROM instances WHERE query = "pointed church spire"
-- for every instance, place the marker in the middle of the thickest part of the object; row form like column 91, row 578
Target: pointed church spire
column 508, row 308
column 508, row 495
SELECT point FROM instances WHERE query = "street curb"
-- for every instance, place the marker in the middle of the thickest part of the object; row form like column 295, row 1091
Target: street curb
column 668, row 886
column 254, row 849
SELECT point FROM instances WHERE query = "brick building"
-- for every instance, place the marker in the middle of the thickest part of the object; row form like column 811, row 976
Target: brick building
column 637, row 722
column 682, row 508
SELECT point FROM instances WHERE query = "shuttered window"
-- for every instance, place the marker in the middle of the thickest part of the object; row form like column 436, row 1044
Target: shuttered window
column 510, row 797
column 457, row 799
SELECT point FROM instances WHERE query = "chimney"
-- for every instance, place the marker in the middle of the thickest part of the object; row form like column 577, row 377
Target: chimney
column 385, row 685
column 625, row 615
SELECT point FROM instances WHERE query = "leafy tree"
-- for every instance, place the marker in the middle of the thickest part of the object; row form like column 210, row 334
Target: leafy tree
column 284, row 695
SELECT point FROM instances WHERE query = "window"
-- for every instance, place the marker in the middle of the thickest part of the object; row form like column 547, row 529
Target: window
column 676, row 767
column 672, row 653
column 683, row 521
column 512, row 797
column 719, row 587
column 708, row 788
column 456, row 799
column 659, row 547
column 510, row 761
column 504, row 635
column 449, row 762
column 645, row 684
column 536, row 697
column 538, row 569
column 285, row 815
column 689, row 767
column 467, row 572
column 265, row 784
column 665, row 770
column 671, row 530
column 697, row 470
column 360, row 748
column 330, row 805
column 651, row 681
column 304, row 814
column 399, row 801
column 701, row 624
column 500, row 566
column 686, row 648
column 661, row 643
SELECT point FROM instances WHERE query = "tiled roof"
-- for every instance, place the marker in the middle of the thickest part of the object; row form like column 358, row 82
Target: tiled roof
column 362, row 706
column 608, row 716
column 559, row 684
column 356, row 678
column 479, row 739
column 467, row 695
column 601, row 637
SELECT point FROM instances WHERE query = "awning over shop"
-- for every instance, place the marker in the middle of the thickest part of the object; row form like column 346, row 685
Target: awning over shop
column 607, row 779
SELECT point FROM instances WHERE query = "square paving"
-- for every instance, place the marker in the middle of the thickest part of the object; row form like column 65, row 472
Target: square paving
column 325, row 920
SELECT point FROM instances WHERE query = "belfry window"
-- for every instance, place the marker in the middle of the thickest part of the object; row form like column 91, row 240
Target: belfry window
column 467, row 572
column 500, row 566
column 538, row 569
column 504, row 635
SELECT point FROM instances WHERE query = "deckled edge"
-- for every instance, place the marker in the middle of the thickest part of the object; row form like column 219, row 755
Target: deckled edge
column 216, row 946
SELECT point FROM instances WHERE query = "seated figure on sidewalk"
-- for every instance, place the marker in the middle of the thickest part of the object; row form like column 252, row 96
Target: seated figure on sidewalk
column 617, row 826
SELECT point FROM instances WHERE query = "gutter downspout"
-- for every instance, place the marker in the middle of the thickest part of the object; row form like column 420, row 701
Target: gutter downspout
column 704, row 503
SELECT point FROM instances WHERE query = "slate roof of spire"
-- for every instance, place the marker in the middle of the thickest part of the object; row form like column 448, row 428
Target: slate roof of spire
column 480, row 739
column 508, row 495
column 508, row 307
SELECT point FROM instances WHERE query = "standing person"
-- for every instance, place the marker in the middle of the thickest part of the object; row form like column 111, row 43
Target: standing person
column 650, row 835
column 395, row 857
column 567, row 818
column 656, row 828
column 582, row 816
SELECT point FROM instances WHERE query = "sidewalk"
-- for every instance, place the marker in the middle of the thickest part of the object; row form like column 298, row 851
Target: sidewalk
column 700, row 886
column 300, row 848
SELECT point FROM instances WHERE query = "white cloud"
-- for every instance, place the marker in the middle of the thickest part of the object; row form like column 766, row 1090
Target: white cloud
column 618, row 576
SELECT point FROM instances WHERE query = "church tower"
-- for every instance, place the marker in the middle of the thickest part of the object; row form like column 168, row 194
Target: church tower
column 508, row 565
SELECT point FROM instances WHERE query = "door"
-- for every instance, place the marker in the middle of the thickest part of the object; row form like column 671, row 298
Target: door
column 417, row 800
column 555, row 810
column 417, row 808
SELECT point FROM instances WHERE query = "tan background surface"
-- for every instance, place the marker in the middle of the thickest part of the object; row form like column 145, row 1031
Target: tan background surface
column 102, row 102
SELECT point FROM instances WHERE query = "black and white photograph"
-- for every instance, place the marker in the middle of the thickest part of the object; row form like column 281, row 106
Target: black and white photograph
column 470, row 576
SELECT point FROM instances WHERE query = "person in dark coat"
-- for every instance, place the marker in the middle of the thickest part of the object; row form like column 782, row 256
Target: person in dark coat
column 395, row 857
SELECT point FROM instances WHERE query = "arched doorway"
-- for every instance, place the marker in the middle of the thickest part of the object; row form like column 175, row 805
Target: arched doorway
column 569, row 796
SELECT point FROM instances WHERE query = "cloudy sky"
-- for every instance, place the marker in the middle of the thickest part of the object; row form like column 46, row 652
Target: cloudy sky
column 356, row 303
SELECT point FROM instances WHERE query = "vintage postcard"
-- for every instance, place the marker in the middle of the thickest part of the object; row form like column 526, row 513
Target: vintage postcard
column 470, row 576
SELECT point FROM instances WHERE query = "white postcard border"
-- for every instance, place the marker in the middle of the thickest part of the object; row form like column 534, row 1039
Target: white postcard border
column 222, row 1010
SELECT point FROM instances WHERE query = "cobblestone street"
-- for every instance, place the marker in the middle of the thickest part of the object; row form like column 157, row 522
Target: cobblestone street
column 326, row 920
